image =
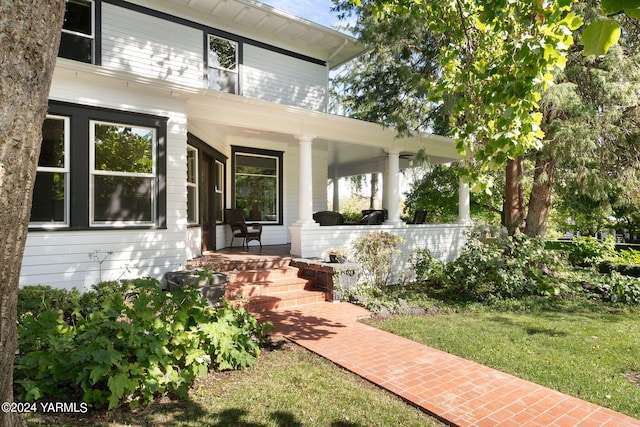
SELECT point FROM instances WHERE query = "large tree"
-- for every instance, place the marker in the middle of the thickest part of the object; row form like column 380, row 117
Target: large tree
column 29, row 38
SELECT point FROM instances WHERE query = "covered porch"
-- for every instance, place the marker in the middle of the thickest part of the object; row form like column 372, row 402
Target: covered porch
column 317, row 147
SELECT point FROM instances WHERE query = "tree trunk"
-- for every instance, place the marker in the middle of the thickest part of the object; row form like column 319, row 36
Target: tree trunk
column 540, row 198
column 29, row 39
column 514, row 197
column 374, row 191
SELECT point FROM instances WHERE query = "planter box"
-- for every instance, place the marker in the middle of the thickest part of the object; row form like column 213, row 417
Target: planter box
column 212, row 288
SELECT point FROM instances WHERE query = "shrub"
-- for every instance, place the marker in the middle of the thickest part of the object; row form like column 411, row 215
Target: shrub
column 376, row 253
column 426, row 267
column 129, row 341
column 587, row 251
column 621, row 288
column 493, row 263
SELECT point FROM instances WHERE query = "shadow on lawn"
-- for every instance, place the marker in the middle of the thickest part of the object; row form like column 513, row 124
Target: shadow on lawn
column 233, row 417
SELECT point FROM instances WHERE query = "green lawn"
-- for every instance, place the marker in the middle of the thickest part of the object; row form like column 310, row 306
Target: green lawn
column 582, row 349
column 288, row 387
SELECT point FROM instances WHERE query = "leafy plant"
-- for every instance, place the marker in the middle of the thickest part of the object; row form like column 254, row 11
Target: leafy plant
column 621, row 288
column 495, row 264
column 376, row 253
column 129, row 341
column 587, row 250
column 426, row 267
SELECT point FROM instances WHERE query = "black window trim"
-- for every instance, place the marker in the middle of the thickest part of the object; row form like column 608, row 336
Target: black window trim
column 97, row 34
column 80, row 117
column 235, row 149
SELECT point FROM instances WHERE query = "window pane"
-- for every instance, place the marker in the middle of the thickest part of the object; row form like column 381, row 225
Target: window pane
column 191, row 166
column 222, row 53
column 52, row 151
column 119, row 198
column 123, row 149
column 76, row 47
column 223, row 80
column 192, row 210
column 48, row 198
column 257, row 196
column 77, row 17
column 256, row 165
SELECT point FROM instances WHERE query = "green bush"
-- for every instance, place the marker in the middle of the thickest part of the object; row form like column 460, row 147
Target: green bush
column 621, row 288
column 588, row 251
column 376, row 253
column 426, row 267
column 497, row 265
column 126, row 341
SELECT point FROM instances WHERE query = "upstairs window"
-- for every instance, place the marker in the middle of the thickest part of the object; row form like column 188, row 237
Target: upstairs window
column 51, row 190
column 223, row 64
column 78, row 32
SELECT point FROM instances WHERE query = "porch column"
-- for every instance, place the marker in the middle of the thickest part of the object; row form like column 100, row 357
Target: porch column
column 464, row 203
column 336, row 191
column 393, row 187
column 305, row 191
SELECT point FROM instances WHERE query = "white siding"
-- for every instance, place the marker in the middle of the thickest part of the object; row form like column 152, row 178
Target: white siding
column 151, row 47
column 61, row 258
column 279, row 78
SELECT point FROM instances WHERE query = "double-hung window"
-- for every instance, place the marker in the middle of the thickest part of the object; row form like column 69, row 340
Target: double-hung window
column 223, row 64
column 258, row 184
column 192, row 185
column 78, row 31
column 51, row 190
column 123, row 174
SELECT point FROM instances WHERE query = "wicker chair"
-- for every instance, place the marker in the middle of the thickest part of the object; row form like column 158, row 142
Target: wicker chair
column 419, row 217
column 248, row 232
column 372, row 217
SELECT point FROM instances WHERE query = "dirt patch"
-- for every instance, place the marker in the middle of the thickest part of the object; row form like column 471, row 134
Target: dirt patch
column 634, row 377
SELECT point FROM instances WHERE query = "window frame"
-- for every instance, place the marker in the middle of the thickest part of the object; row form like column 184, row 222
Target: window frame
column 195, row 185
column 210, row 68
column 79, row 193
column 257, row 152
column 94, row 37
column 93, row 173
column 65, row 170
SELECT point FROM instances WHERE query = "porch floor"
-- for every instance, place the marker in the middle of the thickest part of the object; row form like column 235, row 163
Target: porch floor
column 457, row 391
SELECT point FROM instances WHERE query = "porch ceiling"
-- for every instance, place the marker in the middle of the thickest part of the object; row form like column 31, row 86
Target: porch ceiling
column 353, row 146
column 266, row 24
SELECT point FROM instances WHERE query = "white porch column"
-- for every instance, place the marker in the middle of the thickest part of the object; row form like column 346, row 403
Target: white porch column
column 464, row 203
column 305, row 191
column 336, row 192
column 393, row 187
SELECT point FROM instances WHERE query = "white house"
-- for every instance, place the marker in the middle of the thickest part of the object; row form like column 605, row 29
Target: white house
column 165, row 112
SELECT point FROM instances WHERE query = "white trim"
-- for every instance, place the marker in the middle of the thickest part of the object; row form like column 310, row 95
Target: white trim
column 195, row 185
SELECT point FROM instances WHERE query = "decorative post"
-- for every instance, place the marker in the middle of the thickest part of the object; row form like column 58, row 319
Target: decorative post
column 464, row 203
column 393, row 187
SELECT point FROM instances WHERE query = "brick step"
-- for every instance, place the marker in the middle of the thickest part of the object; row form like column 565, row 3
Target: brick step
column 290, row 299
column 238, row 288
column 256, row 264
column 263, row 275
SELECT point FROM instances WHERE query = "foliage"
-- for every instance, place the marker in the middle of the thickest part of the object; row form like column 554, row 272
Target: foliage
column 492, row 60
column 376, row 253
column 600, row 35
column 495, row 265
column 621, row 288
column 426, row 267
column 587, row 250
column 127, row 341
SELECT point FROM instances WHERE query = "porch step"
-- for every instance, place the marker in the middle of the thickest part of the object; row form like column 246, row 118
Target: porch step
column 271, row 288
column 228, row 263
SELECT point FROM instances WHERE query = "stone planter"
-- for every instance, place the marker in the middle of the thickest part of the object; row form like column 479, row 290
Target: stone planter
column 335, row 258
column 212, row 286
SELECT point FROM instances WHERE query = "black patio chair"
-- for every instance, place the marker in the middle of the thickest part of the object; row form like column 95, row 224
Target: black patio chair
column 328, row 218
column 372, row 217
column 419, row 217
column 239, row 228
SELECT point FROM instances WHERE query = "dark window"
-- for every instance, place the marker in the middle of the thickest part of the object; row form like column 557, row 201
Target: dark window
column 100, row 167
column 78, row 31
column 50, row 193
column 257, row 184
column 223, row 64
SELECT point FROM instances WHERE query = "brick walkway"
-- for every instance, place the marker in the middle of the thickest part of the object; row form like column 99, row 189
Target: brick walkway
column 457, row 391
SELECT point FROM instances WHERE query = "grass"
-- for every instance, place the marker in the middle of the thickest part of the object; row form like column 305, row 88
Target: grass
column 579, row 347
column 288, row 387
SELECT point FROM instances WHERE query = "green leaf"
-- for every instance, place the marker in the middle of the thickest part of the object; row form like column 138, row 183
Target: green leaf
column 599, row 36
column 633, row 13
column 610, row 7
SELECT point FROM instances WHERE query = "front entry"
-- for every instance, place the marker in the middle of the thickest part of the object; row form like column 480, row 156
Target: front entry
column 211, row 190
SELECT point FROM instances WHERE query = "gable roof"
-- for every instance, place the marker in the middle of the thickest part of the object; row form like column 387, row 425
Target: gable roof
column 267, row 24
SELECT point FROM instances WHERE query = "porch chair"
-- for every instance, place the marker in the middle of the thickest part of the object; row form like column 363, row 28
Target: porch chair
column 372, row 217
column 328, row 218
column 419, row 217
column 239, row 228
